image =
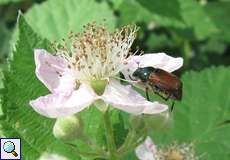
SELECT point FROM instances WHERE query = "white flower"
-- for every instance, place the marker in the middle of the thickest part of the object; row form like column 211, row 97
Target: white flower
column 149, row 151
column 95, row 56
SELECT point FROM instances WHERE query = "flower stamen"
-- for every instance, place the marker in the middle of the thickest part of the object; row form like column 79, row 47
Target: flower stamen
column 96, row 53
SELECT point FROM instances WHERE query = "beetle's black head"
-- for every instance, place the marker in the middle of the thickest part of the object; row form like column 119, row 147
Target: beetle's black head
column 143, row 73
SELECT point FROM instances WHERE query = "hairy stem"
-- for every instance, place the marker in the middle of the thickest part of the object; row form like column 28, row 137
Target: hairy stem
column 128, row 140
column 110, row 136
column 132, row 141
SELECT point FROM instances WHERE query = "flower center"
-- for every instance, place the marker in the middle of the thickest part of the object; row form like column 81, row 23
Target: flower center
column 176, row 152
column 98, row 86
column 174, row 155
column 96, row 53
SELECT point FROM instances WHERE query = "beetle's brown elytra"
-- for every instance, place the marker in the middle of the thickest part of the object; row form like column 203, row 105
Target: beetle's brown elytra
column 161, row 82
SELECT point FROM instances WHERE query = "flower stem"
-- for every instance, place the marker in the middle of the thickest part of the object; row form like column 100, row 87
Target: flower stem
column 132, row 141
column 128, row 140
column 135, row 144
column 110, row 136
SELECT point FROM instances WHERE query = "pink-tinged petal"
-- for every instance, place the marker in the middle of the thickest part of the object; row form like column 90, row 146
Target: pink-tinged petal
column 158, row 108
column 129, row 67
column 146, row 150
column 156, row 60
column 58, row 104
column 53, row 72
column 126, row 99
column 67, row 83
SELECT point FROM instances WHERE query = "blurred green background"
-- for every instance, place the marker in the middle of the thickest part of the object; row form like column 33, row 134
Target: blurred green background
column 197, row 30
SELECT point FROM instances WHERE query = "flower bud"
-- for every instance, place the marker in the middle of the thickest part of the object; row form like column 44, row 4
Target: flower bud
column 99, row 86
column 68, row 128
column 159, row 121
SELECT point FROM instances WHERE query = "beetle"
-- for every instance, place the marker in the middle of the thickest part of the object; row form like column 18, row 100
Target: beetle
column 161, row 82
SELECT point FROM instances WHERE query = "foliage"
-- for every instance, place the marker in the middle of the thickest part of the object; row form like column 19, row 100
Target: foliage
column 196, row 31
column 8, row 1
column 69, row 15
column 4, row 37
column 199, row 118
column 19, row 120
column 186, row 26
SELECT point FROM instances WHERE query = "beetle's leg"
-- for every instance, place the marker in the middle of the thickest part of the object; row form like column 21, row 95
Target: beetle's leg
column 157, row 91
column 147, row 93
column 164, row 98
column 168, row 96
column 172, row 106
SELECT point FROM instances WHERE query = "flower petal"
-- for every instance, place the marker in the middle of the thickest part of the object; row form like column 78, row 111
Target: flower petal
column 53, row 72
column 128, row 100
column 59, row 104
column 156, row 60
column 146, row 150
column 155, row 108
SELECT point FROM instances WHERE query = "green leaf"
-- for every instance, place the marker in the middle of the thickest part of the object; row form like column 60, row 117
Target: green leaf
column 178, row 14
column 119, row 120
column 159, row 42
column 1, row 88
column 93, row 125
column 197, row 118
column 21, row 85
column 8, row 1
column 5, row 35
column 196, row 18
column 219, row 13
column 95, row 130
column 213, row 46
column 53, row 19
column 169, row 11
column 164, row 14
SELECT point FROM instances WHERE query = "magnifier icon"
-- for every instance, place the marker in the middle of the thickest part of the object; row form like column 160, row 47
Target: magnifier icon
column 9, row 147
